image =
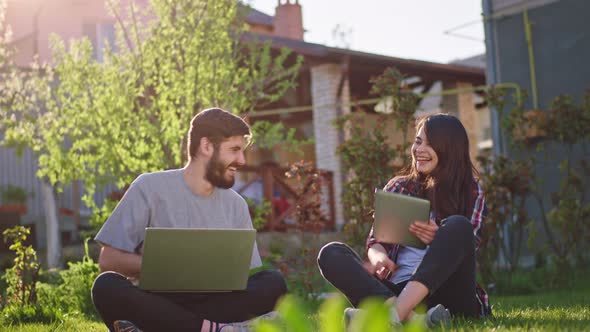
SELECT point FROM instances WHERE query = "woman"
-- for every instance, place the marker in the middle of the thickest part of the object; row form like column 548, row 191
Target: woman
column 442, row 275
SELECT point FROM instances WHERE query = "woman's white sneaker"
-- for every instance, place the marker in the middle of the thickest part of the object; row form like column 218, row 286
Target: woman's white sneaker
column 437, row 315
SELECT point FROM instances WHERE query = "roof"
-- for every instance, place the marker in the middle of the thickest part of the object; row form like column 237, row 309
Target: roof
column 476, row 61
column 408, row 66
column 258, row 17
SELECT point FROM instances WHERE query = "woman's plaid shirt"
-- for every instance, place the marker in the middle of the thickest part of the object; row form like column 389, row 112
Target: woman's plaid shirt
column 411, row 188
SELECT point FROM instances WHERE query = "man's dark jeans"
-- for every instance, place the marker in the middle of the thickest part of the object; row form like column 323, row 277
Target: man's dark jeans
column 116, row 298
column 447, row 270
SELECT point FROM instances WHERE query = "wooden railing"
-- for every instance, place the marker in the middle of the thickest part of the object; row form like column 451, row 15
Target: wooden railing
column 273, row 177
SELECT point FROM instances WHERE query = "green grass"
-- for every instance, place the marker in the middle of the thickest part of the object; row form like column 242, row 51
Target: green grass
column 69, row 324
column 552, row 311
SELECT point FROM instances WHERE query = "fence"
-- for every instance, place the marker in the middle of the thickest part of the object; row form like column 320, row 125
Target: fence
column 273, row 178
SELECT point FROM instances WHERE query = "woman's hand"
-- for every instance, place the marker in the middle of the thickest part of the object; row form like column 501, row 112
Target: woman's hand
column 380, row 265
column 425, row 231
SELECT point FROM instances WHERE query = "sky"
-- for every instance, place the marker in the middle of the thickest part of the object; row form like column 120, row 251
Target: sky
column 412, row 29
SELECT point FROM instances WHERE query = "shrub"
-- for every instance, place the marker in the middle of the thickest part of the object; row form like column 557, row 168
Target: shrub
column 510, row 185
column 99, row 216
column 300, row 271
column 569, row 215
column 11, row 194
column 507, row 184
column 367, row 157
column 19, row 301
column 30, row 313
column 309, row 214
column 258, row 212
column 22, row 277
column 540, row 279
column 58, row 294
column 73, row 293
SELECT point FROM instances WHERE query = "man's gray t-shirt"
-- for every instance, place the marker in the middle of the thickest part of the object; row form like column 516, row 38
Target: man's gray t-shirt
column 164, row 199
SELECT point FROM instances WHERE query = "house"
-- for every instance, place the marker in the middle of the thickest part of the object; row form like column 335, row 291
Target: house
column 330, row 79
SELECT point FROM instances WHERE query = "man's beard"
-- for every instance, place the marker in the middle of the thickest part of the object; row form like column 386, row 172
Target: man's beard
column 215, row 172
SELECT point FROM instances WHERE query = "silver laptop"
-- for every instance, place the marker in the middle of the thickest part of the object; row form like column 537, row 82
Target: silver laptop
column 196, row 260
column 394, row 213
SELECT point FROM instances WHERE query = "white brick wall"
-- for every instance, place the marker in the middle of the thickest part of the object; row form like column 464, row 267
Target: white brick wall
column 325, row 80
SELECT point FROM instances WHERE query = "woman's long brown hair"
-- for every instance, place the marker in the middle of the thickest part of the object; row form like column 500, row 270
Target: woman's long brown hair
column 450, row 186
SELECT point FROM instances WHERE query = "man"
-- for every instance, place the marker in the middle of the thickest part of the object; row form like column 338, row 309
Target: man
column 196, row 196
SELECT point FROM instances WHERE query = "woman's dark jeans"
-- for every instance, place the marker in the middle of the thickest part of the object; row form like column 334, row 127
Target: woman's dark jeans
column 447, row 270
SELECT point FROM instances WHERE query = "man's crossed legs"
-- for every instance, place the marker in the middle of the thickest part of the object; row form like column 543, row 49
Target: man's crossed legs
column 116, row 298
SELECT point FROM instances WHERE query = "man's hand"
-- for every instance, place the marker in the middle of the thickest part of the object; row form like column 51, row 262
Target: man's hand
column 379, row 264
column 425, row 231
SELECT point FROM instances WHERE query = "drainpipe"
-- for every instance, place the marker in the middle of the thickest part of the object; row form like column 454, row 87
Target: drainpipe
column 491, row 73
column 491, row 80
column 529, row 42
column 344, row 71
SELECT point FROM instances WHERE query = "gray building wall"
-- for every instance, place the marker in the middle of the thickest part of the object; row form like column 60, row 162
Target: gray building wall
column 561, row 46
column 21, row 171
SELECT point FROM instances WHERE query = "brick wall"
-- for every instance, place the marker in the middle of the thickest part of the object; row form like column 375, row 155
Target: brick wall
column 462, row 105
column 468, row 116
column 325, row 80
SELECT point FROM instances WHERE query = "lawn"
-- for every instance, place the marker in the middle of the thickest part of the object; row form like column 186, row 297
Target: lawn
column 552, row 311
column 567, row 310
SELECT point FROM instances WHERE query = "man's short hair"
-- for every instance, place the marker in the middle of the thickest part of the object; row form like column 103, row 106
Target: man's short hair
column 217, row 125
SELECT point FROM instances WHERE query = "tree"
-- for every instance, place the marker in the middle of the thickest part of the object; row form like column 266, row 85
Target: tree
column 21, row 93
column 15, row 83
column 109, row 121
column 367, row 157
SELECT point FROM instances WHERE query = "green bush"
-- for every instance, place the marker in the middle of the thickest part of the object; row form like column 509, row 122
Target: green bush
column 368, row 156
column 3, row 286
column 22, row 277
column 30, row 313
column 11, row 194
column 66, row 292
column 19, row 300
column 368, row 159
column 531, row 281
column 303, row 277
column 258, row 212
column 99, row 216
column 300, row 272
column 561, row 234
column 73, row 293
column 517, row 283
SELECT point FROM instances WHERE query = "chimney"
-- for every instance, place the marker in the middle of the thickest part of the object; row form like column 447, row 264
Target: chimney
column 288, row 20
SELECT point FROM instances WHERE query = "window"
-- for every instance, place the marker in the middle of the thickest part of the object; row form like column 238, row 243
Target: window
column 100, row 34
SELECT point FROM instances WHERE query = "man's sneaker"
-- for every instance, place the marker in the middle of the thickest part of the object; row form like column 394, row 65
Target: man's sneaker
column 437, row 315
column 247, row 325
column 125, row 326
column 350, row 313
